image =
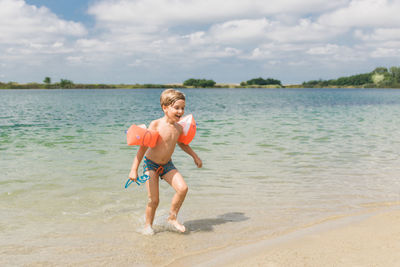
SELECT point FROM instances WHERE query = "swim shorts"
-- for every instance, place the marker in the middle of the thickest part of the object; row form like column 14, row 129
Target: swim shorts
column 161, row 170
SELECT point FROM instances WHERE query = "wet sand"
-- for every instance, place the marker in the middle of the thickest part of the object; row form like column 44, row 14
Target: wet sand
column 368, row 239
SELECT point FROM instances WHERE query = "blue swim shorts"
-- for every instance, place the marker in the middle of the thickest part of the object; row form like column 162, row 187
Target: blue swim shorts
column 161, row 170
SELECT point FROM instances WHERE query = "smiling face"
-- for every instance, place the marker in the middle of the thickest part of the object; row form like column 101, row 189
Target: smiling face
column 175, row 111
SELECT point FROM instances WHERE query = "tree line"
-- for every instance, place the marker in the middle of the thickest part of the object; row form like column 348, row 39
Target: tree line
column 68, row 84
column 380, row 77
column 192, row 83
column 64, row 83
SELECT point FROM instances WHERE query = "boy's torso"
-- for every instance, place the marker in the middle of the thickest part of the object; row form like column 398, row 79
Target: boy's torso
column 169, row 134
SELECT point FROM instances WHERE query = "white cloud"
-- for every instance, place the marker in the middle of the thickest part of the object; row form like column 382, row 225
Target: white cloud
column 382, row 52
column 196, row 38
column 240, row 30
column 364, row 13
column 34, row 41
column 32, row 35
column 276, row 52
column 22, row 23
column 328, row 49
column 337, row 53
column 379, row 34
column 214, row 53
column 58, row 44
column 304, row 31
column 93, row 46
column 167, row 13
column 259, row 53
column 75, row 59
column 137, row 62
column 163, row 27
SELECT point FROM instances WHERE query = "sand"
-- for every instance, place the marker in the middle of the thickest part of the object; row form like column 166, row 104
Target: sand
column 369, row 239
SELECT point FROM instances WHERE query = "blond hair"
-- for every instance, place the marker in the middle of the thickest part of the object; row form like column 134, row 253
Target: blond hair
column 170, row 96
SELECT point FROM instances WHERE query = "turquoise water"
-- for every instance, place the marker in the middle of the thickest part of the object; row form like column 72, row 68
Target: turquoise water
column 274, row 160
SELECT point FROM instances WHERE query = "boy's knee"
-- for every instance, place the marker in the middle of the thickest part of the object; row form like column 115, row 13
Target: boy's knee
column 182, row 190
column 153, row 202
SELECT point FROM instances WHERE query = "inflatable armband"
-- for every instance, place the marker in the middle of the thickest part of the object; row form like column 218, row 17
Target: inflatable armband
column 139, row 135
column 189, row 129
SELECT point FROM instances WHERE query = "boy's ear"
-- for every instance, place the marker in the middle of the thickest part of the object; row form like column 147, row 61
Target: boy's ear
column 164, row 108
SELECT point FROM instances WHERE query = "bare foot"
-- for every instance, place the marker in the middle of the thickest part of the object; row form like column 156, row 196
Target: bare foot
column 148, row 230
column 180, row 227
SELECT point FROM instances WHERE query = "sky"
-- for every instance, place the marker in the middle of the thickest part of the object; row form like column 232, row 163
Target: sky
column 169, row 41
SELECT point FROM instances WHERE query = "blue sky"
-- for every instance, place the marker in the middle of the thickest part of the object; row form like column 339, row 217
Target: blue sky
column 164, row 41
column 65, row 9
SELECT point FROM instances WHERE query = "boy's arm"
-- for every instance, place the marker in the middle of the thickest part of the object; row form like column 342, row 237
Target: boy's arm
column 136, row 162
column 193, row 154
column 139, row 155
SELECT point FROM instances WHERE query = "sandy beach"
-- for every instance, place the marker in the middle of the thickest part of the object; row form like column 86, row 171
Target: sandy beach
column 368, row 239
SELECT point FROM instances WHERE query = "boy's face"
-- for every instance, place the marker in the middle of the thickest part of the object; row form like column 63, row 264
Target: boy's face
column 175, row 111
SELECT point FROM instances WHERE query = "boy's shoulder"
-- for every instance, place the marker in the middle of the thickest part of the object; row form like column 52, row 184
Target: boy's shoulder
column 155, row 123
column 158, row 122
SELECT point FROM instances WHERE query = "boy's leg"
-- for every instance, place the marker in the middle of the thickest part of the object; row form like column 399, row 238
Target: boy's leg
column 153, row 195
column 175, row 179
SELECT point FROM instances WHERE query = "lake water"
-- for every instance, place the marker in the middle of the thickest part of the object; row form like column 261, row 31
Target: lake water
column 274, row 161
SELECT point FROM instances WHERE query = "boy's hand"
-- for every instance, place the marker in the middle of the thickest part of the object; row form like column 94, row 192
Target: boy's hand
column 198, row 162
column 133, row 175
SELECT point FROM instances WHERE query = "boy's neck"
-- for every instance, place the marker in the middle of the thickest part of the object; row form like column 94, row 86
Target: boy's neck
column 168, row 120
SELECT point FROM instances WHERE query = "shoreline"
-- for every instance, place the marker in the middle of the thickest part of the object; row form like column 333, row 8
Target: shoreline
column 368, row 238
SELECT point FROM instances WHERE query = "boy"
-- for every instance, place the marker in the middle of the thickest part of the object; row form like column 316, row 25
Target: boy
column 158, row 162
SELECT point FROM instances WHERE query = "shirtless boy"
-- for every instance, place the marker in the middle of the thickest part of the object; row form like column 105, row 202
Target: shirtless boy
column 158, row 163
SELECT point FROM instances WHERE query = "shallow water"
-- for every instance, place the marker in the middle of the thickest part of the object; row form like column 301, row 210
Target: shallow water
column 274, row 160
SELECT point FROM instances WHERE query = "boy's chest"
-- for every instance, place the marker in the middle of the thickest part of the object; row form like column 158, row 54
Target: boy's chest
column 168, row 133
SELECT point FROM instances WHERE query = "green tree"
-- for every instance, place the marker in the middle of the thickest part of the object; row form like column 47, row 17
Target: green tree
column 47, row 81
column 380, row 70
column 395, row 72
column 261, row 81
column 199, row 83
column 190, row 82
column 312, row 84
column 64, row 83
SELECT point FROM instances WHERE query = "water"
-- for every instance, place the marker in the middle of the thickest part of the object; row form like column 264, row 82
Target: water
column 274, row 160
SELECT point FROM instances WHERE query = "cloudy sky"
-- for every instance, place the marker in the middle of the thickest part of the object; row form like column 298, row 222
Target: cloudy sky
column 165, row 41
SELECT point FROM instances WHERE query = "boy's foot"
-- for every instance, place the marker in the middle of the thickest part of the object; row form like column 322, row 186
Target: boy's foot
column 148, row 230
column 180, row 227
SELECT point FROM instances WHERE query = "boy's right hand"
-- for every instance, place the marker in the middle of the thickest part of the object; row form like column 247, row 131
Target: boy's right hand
column 198, row 162
column 133, row 175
